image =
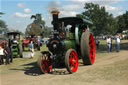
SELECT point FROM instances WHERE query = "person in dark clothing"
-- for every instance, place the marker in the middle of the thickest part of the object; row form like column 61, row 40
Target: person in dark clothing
column 8, row 53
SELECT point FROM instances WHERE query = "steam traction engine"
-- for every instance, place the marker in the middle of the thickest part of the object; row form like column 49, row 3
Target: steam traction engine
column 69, row 40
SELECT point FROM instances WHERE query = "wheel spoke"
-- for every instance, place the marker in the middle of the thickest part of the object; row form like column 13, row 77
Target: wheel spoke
column 46, row 63
column 72, row 58
column 91, row 49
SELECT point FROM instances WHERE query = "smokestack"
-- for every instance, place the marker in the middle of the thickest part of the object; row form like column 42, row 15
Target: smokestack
column 55, row 19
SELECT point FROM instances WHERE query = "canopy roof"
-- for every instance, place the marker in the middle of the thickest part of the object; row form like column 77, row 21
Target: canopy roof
column 74, row 20
column 13, row 33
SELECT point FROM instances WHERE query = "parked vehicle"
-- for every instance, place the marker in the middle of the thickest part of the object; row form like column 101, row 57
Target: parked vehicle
column 15, row 44
column 69, row 41
column 35, row 40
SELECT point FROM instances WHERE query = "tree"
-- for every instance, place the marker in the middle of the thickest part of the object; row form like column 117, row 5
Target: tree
column 103, row 22
column 1, row 13
column 37, row 26
column 3, row 26
column 122, row 21
column 46, row 31
column 33, row 29
column 38, row 20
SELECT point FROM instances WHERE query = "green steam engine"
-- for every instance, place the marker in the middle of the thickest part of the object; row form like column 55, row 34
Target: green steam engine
column 69, row 41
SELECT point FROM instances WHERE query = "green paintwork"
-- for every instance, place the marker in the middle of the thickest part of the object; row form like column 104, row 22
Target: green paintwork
column 69, row 44
column 15, row 53
column 72, row 36
column 15, row 49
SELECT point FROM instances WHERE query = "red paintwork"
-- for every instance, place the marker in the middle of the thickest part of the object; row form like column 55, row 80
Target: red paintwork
column 27, row 41
column 46, row 64
column 73, row 61
column 92, row 48
column 3, row 42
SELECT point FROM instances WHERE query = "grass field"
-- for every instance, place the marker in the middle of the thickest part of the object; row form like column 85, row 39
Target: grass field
column 108, row 69
column 22, row 63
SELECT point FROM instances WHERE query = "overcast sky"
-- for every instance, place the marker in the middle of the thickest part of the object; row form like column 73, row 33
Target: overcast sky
column 18, row 12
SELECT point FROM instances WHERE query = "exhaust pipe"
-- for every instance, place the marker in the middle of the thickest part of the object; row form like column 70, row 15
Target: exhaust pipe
column 55, row 20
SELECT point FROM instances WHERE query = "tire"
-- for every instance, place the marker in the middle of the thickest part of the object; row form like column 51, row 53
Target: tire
column 71, row 61
column 87, row 48
column 45, row 62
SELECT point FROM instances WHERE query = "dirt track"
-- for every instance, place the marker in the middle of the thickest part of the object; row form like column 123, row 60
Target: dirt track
column 109, row 69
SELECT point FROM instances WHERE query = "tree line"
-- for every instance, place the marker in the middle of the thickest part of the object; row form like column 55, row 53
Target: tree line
column 3, row 27
column 103, row 22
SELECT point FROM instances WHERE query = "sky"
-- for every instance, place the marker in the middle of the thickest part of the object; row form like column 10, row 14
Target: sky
column 18, row 12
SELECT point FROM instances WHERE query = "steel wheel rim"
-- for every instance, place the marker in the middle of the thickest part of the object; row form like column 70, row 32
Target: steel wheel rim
column 73, row 61
column 46, row 63
column 91, row 48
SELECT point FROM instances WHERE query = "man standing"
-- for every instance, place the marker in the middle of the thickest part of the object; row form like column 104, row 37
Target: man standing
column 109, row 44
column 8, row 53
column 31, row 47
column 117, row 43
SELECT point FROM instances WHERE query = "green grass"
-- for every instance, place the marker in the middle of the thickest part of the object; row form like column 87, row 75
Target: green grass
column 28, row 64
column 19, row 64
column 103, row 46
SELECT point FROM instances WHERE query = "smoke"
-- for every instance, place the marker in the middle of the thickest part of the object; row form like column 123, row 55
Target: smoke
column 53, row 6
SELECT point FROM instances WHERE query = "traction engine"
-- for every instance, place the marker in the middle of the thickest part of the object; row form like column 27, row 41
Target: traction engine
column 70, row 41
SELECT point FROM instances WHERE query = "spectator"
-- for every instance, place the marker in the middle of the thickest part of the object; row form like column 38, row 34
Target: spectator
column 1, row 55
column 7, row 53
column 31, row 47
column 117, row 43
column 109, row 44
column 39, row 40
column 97, row 43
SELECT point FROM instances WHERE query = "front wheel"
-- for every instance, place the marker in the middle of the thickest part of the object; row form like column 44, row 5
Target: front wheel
column 45, row 62
column 71, row 61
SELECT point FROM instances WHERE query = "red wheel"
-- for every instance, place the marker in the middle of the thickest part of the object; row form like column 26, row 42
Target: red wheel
column 91, row 48
column 87, row 48
column 45, row 62
column 71, row 60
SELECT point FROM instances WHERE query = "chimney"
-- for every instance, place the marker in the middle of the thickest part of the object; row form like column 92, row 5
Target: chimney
column 55, row 19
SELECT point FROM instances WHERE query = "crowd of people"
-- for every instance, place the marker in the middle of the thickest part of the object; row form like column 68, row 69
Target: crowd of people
column 109, row 42
column 5, row 53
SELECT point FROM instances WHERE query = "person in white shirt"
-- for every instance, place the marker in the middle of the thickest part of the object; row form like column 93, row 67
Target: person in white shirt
column 117, row 43
column 1, row 55
column 109, row 44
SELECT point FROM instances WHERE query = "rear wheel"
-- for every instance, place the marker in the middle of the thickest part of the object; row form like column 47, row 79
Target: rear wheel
column 71, row 60
column 87, row 48
column 45, row 62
